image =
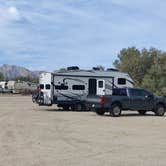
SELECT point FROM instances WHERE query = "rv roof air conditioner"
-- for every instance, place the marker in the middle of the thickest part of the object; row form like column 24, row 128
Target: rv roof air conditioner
column 96, row 68
column 111, row 69
column 73, row 68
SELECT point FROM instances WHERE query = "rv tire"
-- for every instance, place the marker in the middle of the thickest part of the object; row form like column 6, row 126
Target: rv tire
column 66, row 108
column 100, row 111
column 78, row 107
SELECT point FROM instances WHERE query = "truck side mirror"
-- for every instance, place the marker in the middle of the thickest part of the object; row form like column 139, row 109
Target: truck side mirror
column 149, row 96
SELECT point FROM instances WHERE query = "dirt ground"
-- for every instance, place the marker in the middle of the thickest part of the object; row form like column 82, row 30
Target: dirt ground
column 40, row 136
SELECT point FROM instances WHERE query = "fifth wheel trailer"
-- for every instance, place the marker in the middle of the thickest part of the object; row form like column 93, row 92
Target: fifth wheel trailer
column 70, row 88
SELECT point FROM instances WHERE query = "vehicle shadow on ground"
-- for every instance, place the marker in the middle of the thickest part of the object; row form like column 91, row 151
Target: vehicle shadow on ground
column 105, row 115
column 60, row 110
column 135, row 115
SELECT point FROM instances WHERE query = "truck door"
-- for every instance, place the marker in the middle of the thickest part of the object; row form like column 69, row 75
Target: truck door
column 148, row 100
column 140, row 100
column 100, row 87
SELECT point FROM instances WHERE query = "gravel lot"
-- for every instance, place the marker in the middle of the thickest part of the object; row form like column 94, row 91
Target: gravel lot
column 40, row 136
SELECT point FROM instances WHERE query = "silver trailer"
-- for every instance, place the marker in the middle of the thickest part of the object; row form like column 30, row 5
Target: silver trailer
column 70, row 88
column 21, row 86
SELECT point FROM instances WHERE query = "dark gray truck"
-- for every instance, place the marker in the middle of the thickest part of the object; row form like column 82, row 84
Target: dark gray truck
column 127, row 99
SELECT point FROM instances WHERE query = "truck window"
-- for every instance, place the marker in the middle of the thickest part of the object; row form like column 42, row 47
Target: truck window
column 78, row 87
column 41, row 86
column 137, row 92
column 119, row 92
column 48, row 86
column 146, row 93
column 121, row 81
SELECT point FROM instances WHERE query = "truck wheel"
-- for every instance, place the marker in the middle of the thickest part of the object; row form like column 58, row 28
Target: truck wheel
column 100, row 112
column 160, row 110
column 115, row 110
column 142, row 112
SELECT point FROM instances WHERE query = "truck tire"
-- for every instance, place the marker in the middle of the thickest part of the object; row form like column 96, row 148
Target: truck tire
column 115, row 110
column 142, row 112
column 100, row 112
column 160, row 110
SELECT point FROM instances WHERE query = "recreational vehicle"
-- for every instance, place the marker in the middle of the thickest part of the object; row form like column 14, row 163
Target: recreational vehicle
column 3, row 84
column 70, row 88
column 21, row 86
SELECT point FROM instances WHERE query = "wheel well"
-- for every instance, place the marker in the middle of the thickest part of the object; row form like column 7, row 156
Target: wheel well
column 117, row 103
column 160, row 103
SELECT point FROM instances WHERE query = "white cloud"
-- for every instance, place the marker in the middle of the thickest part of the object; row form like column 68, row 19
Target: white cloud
column 14, row 13
column 10, row 14
column 51, row 34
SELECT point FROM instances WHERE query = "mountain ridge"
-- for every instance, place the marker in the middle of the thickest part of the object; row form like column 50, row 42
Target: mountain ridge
column 13, row 71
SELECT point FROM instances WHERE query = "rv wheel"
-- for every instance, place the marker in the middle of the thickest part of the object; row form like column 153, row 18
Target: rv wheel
column 100, row 111
column 78, row 107
column 66, row 108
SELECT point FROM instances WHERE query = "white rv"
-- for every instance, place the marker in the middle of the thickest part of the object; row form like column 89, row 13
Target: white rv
column 21, row 86
column 70, row 88
column 3, row 84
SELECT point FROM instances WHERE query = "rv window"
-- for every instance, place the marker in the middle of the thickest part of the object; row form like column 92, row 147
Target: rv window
column 121, row 81
column 48, row 86
column 61, row 87
column 41, row 86
column 100, row 84
column 78, row 87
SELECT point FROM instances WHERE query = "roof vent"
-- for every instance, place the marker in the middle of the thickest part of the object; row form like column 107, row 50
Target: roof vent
column 73, row 68
column 111, row 69
column 96, row 68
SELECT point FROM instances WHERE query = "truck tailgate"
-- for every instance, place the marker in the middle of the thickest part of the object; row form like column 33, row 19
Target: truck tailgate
column 93, row 102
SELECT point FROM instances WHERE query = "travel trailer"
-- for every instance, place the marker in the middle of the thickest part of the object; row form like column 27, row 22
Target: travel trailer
column 70, row 88
column 3, row 84
column 21, row 86
column 11, row 86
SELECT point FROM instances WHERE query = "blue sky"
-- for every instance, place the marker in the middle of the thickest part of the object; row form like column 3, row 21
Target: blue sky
column 50, row 34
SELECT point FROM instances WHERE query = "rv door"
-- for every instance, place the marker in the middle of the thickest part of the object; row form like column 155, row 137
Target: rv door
column 100, row 87
column 46, row 88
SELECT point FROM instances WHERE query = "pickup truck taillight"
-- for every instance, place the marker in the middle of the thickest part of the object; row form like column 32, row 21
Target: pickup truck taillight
column 102, row 100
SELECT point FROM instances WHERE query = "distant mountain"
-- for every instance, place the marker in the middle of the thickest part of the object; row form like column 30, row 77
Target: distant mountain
column 12, row 71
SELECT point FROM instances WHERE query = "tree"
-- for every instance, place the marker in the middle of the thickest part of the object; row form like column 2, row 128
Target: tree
column 2, row 77
column 147, row 68
column 129, row 61
column 27, row 79
column 155, row 79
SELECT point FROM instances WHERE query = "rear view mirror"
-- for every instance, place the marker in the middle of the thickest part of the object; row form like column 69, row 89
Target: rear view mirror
column 149, row 96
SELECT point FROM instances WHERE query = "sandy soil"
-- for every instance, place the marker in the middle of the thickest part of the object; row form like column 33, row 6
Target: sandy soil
column 42, row 136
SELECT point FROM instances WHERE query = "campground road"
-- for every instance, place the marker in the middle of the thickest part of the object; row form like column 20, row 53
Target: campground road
column 44, row 136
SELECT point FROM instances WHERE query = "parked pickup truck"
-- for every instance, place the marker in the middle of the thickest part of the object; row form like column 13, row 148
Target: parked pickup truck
column 127, row 99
